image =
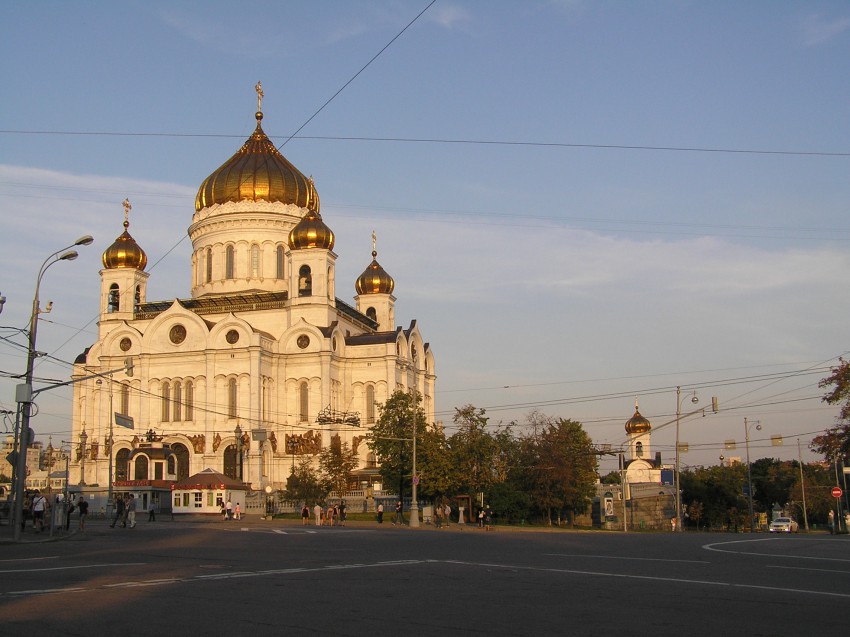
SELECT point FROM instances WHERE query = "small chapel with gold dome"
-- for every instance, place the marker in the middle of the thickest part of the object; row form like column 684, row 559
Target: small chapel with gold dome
column 261, row 366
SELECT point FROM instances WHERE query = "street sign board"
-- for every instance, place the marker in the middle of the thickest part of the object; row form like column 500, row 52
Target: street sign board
column 837, row 492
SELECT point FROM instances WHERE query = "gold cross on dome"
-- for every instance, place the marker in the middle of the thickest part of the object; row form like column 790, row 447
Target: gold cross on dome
column 374, row 242
column 260, row 95
column 127, row 209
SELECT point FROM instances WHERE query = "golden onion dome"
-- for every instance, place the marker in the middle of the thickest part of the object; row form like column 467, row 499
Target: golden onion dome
column 257, row 172
column 374, row 279
column 637, row 424
column 311, row 232
column 125, row 252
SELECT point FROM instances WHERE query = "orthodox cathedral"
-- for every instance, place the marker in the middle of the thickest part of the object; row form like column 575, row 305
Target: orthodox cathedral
column 261, row 367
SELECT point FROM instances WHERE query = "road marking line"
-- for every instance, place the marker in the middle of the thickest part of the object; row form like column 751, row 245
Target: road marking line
column 713, row 547
column 68, row 568
column 614, row 557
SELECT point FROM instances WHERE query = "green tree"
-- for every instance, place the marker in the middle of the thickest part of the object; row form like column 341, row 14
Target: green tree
column 559, row 469
column 474, row 450
column 305, row 484
column 434, row 464
column 390, row 438
column 835, row 442
column 337, row 463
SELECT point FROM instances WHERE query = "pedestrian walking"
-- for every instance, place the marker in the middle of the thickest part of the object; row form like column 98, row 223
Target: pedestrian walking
column 342, row 508
column 831, row 521
column 399, row 514
column 39, row 507
column 488, row 519
column 317, row 511
column 305, row 515
column 131, row 511
column 151, row 512
column 69, row 509
column 438, row 516
column 228, row 510
column 380, row 513
column 238, row 512
column 447, row 514
column 119, row 511
column 83, row 507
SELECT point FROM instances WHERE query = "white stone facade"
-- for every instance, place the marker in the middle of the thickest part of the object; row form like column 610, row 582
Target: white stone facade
column 251, row 347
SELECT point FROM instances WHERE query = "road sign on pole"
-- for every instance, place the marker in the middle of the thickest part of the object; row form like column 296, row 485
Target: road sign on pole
column 837, row 492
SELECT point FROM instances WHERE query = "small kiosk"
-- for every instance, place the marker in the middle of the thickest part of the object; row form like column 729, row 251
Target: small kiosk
column 207, row 492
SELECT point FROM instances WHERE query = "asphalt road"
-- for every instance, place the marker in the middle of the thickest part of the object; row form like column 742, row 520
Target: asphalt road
column 273, row 578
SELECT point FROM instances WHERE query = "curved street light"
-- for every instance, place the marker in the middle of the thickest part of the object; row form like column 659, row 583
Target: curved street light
column 24, row 392
column 679, row 400
column 747, row 427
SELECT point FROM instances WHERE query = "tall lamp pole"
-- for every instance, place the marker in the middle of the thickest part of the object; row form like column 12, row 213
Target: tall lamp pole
column 757, row 425
column 23, row 393
column 679, row 399
column 414, row 505
column 238, row 433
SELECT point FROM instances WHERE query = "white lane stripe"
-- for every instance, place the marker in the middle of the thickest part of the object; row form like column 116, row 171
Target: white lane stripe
column 615, row 557
column 68, row 568
column 199, row 578
column 713, row 547
column 47, row 590
column 31, row 559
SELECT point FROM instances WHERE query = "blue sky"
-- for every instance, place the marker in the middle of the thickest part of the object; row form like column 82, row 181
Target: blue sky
column 582, row 203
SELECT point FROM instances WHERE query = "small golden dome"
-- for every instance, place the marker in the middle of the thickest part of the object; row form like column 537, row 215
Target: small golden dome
column 311, row 232
column 374, row 279
column 125, row 252
column 637, row 424
column 257, row 172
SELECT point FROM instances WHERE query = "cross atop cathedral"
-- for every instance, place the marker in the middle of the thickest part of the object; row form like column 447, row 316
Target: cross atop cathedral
column 260, row 95
column 127, row 209
column 374, row 244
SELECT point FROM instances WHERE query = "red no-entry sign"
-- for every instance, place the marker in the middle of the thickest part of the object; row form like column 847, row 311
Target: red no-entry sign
column 837, row 492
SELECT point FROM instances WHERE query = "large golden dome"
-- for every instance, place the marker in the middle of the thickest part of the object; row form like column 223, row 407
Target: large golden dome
column 637, row 424
column 257, row 172
column 374, row 279
column 125, row 252
column 311, row 232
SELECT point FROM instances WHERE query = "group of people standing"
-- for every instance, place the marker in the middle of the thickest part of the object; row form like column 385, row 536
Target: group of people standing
column 334, row 515
column 230, row 513
column 125, row 511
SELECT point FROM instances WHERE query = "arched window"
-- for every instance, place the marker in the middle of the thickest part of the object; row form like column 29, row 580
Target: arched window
column 639, row 450
column 140, row 470
column 181, row 456
column 255, row 261
column 303, row 402
column 229, row 265
column 230, row 462
column 124, row 399
column 305, row 281
column 138, row 298
column 122, row 464
column 166, row 402
column 171, row 465
column 178, row 401
column 112, row 305
column 372, row 314
column 208, row 264
column 370, row 403
column 279, row 262
column 231, row 398
column 189, row 401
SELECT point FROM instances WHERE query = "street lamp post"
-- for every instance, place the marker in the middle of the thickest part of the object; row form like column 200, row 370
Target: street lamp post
column 84, row 438
column 238, row 433
column 747, row 425
column 679, row 399
column 24, row 392
column 414, row 505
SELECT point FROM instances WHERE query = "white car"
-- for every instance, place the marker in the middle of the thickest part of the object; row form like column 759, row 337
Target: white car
column 784, row 525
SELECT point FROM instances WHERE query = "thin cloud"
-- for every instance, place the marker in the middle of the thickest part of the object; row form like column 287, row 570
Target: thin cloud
column 818, row 30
